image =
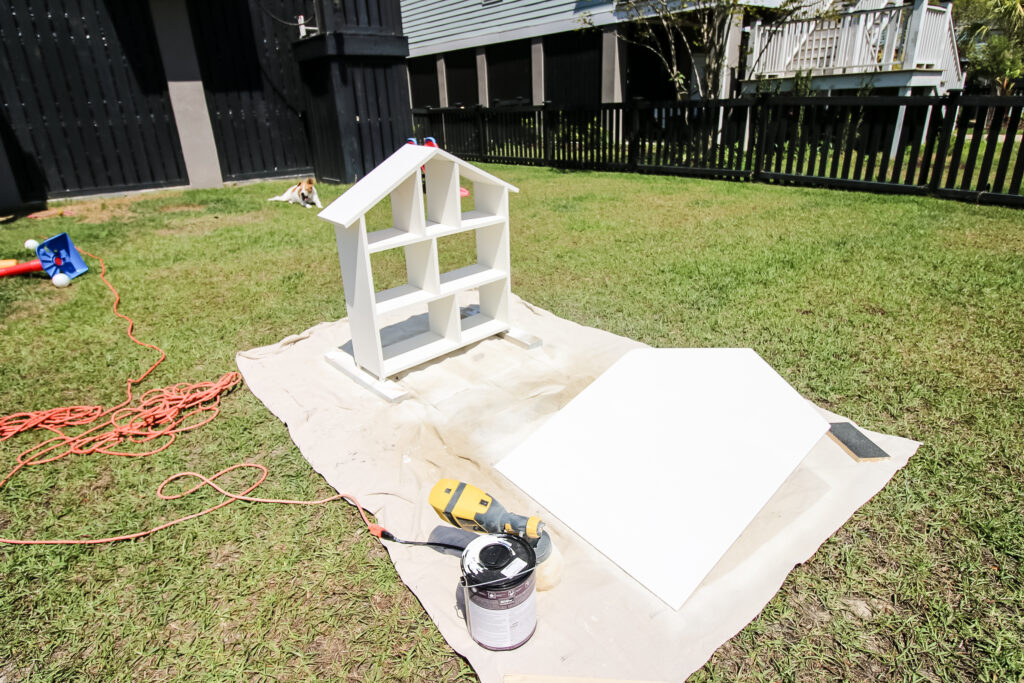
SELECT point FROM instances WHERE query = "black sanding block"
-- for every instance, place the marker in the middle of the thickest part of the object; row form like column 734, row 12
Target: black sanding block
column 855, row 443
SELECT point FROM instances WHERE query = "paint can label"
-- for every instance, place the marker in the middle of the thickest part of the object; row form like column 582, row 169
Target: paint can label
column 503, row 620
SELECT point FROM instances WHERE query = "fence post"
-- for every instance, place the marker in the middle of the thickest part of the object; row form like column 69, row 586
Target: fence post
column 481, row 132
column 760, row 111
column 548, row 123
column 633, row 137
column 945, row 133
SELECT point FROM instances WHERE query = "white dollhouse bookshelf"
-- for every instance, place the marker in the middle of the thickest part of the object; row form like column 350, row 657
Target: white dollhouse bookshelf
column 417, row 223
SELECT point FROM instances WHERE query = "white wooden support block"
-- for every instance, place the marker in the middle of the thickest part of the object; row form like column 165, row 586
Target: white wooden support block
column 522, row 338
column 385, row 388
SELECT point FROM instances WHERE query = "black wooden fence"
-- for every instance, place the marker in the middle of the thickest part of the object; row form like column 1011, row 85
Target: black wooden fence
column 253, row 88
column 85, row 105
column 962, row 147
column 85, row 100
column 274, row 113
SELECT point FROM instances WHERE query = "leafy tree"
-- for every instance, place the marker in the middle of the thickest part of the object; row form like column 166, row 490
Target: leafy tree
column 1010, row 15
column 997, row 63
column 990, row 35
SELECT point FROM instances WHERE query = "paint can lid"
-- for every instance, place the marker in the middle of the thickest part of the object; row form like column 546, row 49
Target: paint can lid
column 496, row 556
column 497, row 561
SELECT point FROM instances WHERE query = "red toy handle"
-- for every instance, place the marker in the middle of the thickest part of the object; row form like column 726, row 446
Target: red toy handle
column 21, row 268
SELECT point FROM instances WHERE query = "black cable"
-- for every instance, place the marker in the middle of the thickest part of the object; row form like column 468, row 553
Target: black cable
column 388, row 536
column 282, row 21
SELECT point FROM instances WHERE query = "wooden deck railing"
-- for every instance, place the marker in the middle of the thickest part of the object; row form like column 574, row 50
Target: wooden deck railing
column 871, row 40
column 856, row 42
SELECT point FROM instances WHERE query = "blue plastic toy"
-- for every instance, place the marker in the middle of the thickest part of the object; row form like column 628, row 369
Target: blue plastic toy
column 59, row 255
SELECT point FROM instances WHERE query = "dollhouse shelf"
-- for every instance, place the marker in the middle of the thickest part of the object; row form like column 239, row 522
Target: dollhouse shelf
column 418, row 220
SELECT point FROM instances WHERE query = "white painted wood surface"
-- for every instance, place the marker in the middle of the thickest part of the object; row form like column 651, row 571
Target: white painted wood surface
column 386, row 177
column 416, row 227
column 664, row 459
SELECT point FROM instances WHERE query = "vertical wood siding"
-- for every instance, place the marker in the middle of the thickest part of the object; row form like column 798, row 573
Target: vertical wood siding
column 508, row 71
column 572, row 68
column 253, row 87
column 461, row 74
column 85, row 99
column 423, row 81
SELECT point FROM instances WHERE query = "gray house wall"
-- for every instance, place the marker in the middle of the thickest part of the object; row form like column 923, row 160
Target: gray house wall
column 438, row 28
column 434, row 27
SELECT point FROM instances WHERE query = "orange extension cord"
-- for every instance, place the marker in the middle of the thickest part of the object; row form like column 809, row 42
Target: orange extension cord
column 161, row 414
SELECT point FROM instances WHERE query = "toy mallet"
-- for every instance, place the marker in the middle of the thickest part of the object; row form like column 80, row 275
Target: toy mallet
column 58, row 256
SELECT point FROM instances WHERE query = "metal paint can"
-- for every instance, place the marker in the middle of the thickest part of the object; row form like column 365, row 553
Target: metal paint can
column 500, row 591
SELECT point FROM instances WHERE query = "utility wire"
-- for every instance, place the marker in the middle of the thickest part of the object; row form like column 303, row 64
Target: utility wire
column 280, row 20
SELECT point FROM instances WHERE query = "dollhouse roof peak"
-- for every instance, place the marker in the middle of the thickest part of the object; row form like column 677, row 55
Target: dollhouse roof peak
column 389, row 174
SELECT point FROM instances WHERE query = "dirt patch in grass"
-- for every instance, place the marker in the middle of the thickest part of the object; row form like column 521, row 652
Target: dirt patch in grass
column 869, row 668
column 35, row 307
column 94, row 489
column 178, row 208
column 179, row 633
column 206, row 224
column 89, row 210
column 864, row 609
column 225, row 555
column 232, row 633
column 330, row 651
column 810, row 612
column 996, row 240
column 103, row 210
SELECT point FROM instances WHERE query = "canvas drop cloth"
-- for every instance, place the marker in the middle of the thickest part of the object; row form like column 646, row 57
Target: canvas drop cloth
column 465, row 413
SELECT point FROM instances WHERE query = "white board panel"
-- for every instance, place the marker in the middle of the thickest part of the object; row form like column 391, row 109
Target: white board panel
column 666, row 458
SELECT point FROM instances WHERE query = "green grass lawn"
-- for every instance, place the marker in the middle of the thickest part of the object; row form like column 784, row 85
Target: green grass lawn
column 903, row 313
